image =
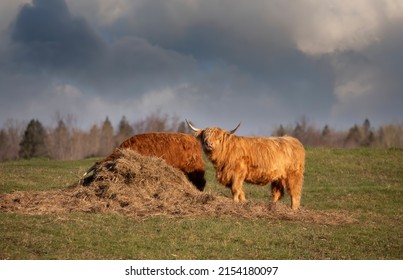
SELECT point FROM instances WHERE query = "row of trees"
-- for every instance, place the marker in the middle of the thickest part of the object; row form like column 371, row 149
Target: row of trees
column 364, row 135
column 68, row 142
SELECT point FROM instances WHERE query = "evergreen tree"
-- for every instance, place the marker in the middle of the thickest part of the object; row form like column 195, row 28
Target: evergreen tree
column 299, row 132
column 33, row 143
column 106, row 143
column 124, row 131
column 368, row 135
column 93, row 146
column 353, row 138
column 280, row 131
column 183, row 128
column 326, row 131
column 325, row 135
column 366, row 126
column 124, row 128
column 61, row 145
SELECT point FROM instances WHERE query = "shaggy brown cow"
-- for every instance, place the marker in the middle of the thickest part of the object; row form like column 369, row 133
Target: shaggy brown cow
column 256, row 160
column 177, row 149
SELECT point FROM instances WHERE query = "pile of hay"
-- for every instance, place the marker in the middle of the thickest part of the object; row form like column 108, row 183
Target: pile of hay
column 131, row 184
column 141, row 187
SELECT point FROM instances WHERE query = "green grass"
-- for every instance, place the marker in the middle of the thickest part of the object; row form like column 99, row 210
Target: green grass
column 368, row 183
column 40, row 174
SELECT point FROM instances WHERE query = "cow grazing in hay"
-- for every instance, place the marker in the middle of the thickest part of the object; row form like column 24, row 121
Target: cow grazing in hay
column 179, row 150
column 276, row 160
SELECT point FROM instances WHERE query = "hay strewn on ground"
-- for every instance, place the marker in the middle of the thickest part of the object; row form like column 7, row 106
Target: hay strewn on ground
column 141, row 187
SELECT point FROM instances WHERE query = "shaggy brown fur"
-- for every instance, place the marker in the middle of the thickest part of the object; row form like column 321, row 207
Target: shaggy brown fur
column 179, row 150
column 276, row 160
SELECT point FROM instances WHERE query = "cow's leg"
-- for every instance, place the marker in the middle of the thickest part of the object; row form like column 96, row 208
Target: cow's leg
column 294, row 188
column 236, row 189
column 277, row 190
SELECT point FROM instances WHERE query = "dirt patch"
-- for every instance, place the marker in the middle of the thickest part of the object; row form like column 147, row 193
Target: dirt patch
column 142, row 187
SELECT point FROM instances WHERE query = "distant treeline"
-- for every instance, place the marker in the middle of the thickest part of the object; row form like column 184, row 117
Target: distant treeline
column 65, row 141
column 364, row 135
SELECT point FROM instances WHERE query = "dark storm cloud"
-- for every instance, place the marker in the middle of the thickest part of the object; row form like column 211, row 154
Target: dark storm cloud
column 46, row 35
column 236, row 32
column 252, row 38
column 132, row 65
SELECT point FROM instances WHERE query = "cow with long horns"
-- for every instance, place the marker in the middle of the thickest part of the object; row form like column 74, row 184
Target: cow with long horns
column 179, row 150
column 256, row 160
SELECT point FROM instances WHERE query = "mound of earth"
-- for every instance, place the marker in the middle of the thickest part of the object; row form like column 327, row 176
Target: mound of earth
column 141, row 187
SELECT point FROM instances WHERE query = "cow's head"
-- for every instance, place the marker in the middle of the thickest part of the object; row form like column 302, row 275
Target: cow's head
column 211, row 138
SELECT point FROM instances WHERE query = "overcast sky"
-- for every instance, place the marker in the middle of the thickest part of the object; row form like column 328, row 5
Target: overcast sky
column 215, row 62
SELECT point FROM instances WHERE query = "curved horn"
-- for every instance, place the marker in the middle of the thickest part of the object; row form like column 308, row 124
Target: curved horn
column 233, row 131
column 192, row 127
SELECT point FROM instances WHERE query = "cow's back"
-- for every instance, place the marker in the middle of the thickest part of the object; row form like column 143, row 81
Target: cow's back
column 177, row 149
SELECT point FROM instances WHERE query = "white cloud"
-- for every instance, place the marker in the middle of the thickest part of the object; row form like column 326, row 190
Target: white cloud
column 67, row 92
column 101, row 12
column 356, row 87
column 330, row 26
column 155, row 99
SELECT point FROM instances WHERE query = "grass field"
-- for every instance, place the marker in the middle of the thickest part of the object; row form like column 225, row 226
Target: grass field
column 367, row 184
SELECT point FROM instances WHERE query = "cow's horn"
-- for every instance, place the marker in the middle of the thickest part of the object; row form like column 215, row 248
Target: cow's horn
column 192, row 127
column 233, row 131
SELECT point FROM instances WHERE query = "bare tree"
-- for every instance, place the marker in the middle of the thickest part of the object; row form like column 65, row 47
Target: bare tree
column 11, row 136
column 391, row 136
column 156, row 122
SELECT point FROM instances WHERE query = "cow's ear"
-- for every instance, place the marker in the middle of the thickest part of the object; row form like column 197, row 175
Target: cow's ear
column 199, row 134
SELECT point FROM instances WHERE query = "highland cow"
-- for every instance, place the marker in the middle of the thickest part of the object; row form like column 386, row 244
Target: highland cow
column 256, row 160
column 179, row 150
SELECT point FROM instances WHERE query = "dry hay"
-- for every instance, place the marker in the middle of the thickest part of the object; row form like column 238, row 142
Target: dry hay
column 141, row 187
